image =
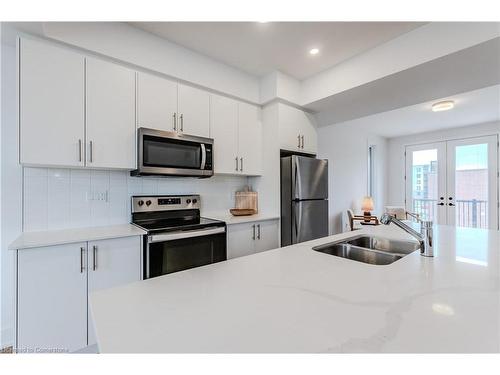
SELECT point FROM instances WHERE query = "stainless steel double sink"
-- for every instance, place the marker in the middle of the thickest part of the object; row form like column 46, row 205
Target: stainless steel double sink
column 369, row 249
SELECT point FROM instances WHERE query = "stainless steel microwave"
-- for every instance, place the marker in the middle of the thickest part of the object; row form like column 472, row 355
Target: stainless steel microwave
column 164, row 153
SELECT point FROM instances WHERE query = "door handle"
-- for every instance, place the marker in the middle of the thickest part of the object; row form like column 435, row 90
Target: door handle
column 302, row 137
column 80, row 150
column 241, row 164
column 182, row 122
column 91, row 151
column 258, row 231
column 450, row 204
column 82, row 253
column 94, row 258
column 236, row 159
column 174, row 116
column 440, row 204
column 298, row 139
column 253, row 235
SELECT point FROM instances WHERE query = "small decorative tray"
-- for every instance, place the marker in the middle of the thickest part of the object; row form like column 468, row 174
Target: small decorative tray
column 242, row 212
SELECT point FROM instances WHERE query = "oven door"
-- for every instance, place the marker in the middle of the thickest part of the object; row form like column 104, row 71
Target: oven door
column 176, row 251
column 173, row 154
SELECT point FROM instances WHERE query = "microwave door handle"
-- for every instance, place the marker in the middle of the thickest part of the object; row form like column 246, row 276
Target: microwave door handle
column 203, row 156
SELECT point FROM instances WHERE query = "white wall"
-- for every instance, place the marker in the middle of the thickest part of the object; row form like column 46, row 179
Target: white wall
column 11, row 192
column 396, row 148
column 346, row 147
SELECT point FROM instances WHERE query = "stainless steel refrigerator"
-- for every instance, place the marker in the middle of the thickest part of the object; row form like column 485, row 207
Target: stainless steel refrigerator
column 304, row 199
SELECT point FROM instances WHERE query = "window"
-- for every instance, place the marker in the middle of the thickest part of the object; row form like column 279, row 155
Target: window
column 371, row 171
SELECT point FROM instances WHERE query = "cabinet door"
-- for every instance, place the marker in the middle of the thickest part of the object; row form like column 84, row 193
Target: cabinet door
column 110, row 115
column 51, row 105
column 249, row 139
column 193, row 111
column 224, row 131
column 112, row 263
column 52, row 298
column 156, row 102
column 289, row 127
column 268, row 238
column 240, row 240
column 308, row 132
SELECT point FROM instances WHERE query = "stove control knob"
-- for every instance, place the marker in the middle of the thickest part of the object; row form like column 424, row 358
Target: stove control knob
column 148, row 203
column 140, row 203
column 195, row 200
column 188, row 201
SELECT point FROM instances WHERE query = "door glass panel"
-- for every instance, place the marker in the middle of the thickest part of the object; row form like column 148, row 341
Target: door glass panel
column 424, row 189
column 471, row 185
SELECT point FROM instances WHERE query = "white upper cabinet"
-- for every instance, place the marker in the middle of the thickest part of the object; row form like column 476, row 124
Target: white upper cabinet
column 249, row 139
column 297, row 130
column 237, row 132
column 224, row 131
column 111, row 263
column 51, row 105
column 110, row 115
column 193, row 111
column 156, row 102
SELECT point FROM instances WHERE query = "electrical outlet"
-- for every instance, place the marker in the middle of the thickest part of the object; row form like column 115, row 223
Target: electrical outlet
column 98, row 196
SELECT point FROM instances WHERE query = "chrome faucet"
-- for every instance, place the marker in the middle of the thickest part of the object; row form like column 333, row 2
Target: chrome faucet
column 424, row 237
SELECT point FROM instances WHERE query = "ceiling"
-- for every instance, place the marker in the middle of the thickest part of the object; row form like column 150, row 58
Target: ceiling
column 473, row 107
column 260, row 48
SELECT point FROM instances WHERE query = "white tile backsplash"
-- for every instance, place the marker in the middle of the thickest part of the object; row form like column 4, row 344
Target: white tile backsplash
column 61, row 198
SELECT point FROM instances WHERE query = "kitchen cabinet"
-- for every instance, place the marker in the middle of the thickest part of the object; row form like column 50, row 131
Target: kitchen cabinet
column 53, row 286
column 110, row 116
column 237, row 132
column 250, row 238
column 51, row 104
column 224, row 131
column 167, row 105
column 112, row 263
column 52, row 297
column 297, row 130
column 156, row 102
column 193, row 111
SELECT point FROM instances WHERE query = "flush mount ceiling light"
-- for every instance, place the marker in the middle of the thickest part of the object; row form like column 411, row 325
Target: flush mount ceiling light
column 314, row 51
column 443, row 106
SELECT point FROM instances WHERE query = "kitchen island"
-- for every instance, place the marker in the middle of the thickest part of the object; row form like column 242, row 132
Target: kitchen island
column 295, row 299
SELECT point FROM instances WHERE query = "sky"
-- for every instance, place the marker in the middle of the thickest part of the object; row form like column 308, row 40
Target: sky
column 467, row 156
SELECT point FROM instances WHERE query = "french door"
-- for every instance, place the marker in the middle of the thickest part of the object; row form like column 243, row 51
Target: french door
column 454, row 182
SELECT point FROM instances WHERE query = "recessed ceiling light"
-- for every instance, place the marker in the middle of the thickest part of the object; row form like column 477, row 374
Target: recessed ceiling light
column 262, row 21
column 443, row 106
column 314, row 51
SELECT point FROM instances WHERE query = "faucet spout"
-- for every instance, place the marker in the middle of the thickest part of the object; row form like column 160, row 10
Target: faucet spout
column 425, row 237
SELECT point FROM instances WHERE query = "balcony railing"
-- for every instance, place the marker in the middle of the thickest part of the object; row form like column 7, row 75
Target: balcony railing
column 469, row 213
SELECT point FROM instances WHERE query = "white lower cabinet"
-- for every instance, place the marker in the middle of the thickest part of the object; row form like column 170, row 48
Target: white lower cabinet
column 112, row 263
column 250, row 238
column 53, row 283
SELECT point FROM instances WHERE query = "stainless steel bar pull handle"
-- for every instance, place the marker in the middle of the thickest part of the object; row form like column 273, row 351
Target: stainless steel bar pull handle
column 236, row 159
column 80, row 150
column 253, row 235
column 302, row 137
column 91, row 151
column 258, row 231
column 175, row 120
column 82, row 253
column 94, row 257
column 182, row 122
column 241, row 164
column 298, row 139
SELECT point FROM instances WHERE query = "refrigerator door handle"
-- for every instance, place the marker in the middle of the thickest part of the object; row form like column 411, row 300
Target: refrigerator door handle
column 298, row 183
column 298, row 220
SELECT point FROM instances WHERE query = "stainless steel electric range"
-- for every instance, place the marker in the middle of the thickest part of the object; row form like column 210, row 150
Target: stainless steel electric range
column 178, row 237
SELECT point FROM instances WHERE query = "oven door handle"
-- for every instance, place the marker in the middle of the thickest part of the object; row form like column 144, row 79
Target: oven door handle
column 203, row 156
column 185, row 234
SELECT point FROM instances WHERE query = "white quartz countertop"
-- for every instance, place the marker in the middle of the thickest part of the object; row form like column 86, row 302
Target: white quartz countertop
column 230, row 219
column 58, row 237
column 295, row 299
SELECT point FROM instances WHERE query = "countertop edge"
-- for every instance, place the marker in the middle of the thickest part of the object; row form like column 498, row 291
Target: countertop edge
column 234, row 220
column 29, row 240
